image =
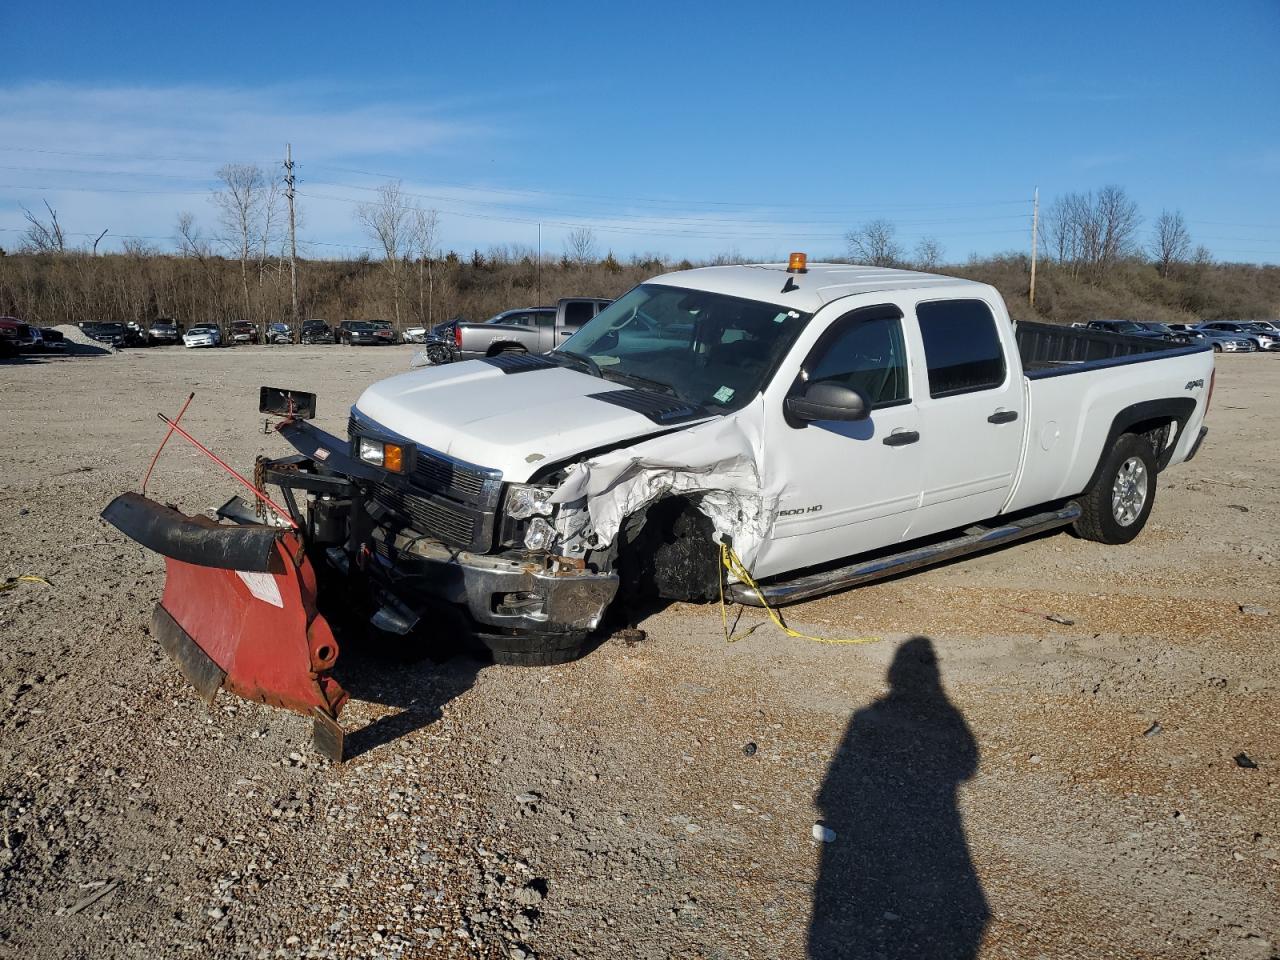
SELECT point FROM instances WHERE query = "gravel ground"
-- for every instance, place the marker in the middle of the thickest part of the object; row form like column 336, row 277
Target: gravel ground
column 1057, row 749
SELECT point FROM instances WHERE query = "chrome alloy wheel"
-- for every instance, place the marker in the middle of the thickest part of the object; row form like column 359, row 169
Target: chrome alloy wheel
column 1129, row 492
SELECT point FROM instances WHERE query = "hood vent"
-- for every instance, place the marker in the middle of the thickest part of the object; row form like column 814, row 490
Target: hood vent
column 658, row 407
column 518, row 362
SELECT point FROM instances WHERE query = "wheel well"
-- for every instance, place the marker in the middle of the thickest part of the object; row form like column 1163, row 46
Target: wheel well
column 1156, row 430
column 1153, row 419
column 508, row 346
column 666, row 550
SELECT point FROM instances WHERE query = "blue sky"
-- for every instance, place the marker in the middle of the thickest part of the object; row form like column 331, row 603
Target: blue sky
column 688, row 129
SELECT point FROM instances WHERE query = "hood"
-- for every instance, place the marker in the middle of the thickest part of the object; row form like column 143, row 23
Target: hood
column 514, row 422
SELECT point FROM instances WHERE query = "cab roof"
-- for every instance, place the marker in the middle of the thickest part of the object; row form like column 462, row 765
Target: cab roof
column 818, row 286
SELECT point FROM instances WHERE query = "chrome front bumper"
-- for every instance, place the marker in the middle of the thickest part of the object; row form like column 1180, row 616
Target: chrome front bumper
column 500, row 593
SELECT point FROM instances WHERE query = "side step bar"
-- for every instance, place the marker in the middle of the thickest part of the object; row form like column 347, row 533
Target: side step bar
column 983, row 538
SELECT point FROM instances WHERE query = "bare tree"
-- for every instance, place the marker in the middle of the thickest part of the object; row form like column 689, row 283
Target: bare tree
column 191, row 243
column 580, row 246
column 271, row 221
column 929, row 253
column 424, row 231
column 1118, row 221
column 1083, row 231
column 138, row 248
column 42, row 237
column 239, row 204
column 1171, row 242
column 873, row 244
column 388, row 220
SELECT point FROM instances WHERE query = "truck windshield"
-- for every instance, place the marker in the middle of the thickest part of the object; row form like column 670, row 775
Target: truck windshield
column 707, row 348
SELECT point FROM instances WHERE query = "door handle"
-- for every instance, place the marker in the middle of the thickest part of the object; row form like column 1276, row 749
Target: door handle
column 900, row 438
column 1003, row 416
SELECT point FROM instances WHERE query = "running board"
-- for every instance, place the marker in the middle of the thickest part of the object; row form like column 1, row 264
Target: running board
column 856, row 574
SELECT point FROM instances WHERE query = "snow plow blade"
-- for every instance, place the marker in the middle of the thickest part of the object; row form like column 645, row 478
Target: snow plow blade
column 239, row 612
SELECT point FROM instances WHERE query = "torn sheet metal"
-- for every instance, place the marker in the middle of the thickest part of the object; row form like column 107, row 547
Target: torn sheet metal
column 720, row 460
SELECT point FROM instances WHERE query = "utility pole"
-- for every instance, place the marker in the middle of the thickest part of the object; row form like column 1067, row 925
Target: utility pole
column 293, row 235
column 537, row 272
column 1035, row 230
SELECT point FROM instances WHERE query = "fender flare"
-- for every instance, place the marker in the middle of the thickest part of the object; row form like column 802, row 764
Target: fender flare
column 501, row 346
column 1177, row 409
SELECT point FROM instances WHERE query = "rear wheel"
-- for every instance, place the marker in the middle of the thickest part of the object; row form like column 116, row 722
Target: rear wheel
column 1116, row 507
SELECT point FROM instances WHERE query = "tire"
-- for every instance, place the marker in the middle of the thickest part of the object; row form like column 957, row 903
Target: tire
column 533, row 651
column 1217, row 348
column 1116, row 507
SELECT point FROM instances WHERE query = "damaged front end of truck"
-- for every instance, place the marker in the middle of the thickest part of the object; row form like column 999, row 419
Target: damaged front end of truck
column 373, row 529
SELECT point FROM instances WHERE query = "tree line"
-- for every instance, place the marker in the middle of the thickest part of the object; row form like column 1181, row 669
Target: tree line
column 1095, row 261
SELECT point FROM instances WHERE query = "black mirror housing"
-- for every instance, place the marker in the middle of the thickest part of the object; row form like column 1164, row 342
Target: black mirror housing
column 280, row 402
column 829, row 401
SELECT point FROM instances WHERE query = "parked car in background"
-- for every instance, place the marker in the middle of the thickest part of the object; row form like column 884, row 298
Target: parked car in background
column 1221, row 341
column 1269, row 325
column 526, row 330
column 15, row 335
column 1166, row 331
column 114, row 334
column 415, row 335
column 243, row 331
column 164, row 330
column 279, row 333
column 51, row 340
column 203, row 335
column 1261, row 338
column 367, row 333
column 1132, row 328
column 315, row 331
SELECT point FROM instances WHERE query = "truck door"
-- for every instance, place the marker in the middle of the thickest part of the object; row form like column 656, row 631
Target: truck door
column 971, row 413
column 847, row 486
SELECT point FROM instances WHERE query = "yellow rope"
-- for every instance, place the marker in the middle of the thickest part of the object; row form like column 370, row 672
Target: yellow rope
column 730, row 561
column 25, row 578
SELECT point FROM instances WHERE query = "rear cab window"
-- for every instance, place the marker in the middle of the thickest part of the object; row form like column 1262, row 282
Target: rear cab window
column 962, row 348
column 578, row 312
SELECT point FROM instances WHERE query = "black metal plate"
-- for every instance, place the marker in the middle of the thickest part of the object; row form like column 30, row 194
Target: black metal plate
column 196, row 540
column 196, row 665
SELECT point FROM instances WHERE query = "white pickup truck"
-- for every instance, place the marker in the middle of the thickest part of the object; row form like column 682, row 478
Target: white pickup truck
column 831, row 423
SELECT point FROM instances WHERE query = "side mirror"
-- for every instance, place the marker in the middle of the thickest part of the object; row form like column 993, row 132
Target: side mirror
column 287, row 403
column 829, row 401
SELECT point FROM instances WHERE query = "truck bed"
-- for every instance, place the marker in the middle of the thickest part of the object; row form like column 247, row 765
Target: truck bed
column 1049, row 350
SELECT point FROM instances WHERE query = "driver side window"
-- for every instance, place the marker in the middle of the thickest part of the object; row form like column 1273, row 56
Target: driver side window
column 865, row 352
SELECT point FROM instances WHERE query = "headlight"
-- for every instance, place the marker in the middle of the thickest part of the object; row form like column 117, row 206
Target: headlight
column 389, row 456
column 524, row 501
column 539, row 535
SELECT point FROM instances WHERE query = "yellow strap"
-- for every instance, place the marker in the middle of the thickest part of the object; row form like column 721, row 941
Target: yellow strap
column 735, row 567
column 25, row 578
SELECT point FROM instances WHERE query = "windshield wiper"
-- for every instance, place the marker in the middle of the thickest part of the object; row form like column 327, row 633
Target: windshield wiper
column 644, row 381
column 593, row 368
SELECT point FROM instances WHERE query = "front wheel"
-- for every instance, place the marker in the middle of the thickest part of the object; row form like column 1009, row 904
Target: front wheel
column 1116, row 507
column 1217, row 348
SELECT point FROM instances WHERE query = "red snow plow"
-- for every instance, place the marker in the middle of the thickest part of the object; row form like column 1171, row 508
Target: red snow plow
column 239, row 605
column 239, row 612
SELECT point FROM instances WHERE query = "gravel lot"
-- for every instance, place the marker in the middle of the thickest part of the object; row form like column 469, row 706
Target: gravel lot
column 999, row 784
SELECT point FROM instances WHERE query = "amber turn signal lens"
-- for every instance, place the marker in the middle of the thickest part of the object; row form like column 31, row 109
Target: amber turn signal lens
column 393, row 457
column 797, row 263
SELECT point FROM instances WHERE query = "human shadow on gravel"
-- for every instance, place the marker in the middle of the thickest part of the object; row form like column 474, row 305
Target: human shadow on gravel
column 897, row 881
